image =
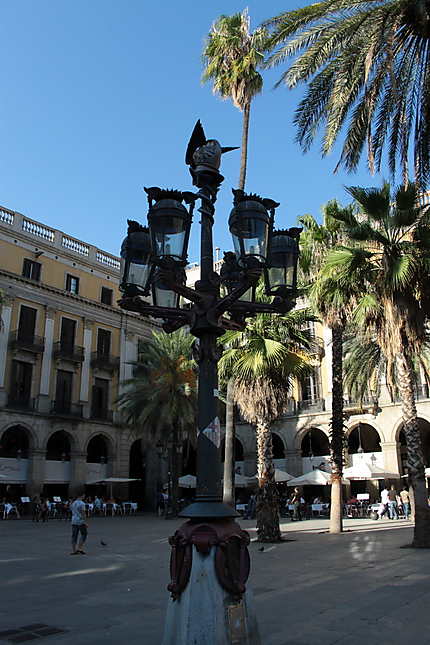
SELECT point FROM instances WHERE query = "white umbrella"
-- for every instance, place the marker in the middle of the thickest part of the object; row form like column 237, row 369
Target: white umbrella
column 367, row 471
column 188, row 481
column 315, row 477
column 114, row 480
column 280, row 476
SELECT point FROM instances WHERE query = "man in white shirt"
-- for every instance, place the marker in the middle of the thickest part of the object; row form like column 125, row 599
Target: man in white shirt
column 79, row 525
column 384, row 502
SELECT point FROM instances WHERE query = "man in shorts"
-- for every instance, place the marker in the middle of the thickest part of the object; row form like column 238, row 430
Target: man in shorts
column 79, row 525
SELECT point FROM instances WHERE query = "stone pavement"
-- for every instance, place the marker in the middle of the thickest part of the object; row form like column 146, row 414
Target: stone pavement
column 353, row 589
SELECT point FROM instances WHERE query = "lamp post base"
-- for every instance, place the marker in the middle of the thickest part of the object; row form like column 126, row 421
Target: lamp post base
column 206, row 614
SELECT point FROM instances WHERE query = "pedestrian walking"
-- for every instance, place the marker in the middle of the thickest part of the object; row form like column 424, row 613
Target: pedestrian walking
column 406, row 501
column 392, row 503
column 296, row 501
column 79, row 525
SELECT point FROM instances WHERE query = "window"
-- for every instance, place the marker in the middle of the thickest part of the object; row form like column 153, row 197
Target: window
column 100, row 398
column 103, row 342
column 63, row 393
column 311, row 386
column 31, row 269
column 72, row 284
column 67, row 336
column 20, row 389
column 106, row 296
column 27, row 323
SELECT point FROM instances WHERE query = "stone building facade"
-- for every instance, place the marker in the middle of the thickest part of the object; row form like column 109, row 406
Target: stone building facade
column 65, row 349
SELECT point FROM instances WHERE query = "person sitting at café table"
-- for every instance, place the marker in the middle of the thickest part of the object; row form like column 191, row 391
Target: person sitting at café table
column 317, row 500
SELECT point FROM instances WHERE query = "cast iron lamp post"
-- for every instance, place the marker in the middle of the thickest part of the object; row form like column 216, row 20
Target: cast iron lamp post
column 154, row 260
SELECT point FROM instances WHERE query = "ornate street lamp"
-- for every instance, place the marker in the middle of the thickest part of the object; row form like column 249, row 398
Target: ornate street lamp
column 162, row 249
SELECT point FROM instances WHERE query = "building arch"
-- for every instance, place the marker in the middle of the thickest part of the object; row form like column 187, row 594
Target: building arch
column 238, row 449
column 59, row 446
column 15, row 442
column 424, row 427
column 99, row 448
column 314, row 443
column 303, row 431
column 363, row 437
column 32, row 436
column 278, row 446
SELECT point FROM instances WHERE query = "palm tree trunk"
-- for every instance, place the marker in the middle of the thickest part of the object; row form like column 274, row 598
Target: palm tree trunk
column 174, row 474
column 415, row 455
column 267, row 501
column 337, row 433
column 244, row 149
column 230, row 436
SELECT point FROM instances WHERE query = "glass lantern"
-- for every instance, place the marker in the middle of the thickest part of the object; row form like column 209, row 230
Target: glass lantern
column 136, row 266
column 250, row 225
column 169, row 224
column 281, row 273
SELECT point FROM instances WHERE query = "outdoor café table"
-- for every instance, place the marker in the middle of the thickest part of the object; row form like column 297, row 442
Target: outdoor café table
column 129, row 507
column 115, row 508
column 319, row 508
column 241, row 508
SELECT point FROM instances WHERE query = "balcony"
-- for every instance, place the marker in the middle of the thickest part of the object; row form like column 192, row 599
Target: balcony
column 27, row 343
column 68, row 352
column 310, row 406
column 66, row 409
column 104, row 361
column 23, row 403
column 102, row 414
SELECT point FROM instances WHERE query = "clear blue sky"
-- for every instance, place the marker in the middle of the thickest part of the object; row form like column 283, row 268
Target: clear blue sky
column 99, row 99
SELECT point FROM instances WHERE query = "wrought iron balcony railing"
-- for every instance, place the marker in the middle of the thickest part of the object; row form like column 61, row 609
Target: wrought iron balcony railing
column 104, row 361
column 26, row 342
column 21, row 403
column 102, row 414
column 69, row 352
column 66, row 408
column 311, row 405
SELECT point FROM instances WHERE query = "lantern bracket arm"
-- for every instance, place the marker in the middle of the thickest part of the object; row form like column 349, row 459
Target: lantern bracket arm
column 139, row 305
column 278, row 306
column 250, row 278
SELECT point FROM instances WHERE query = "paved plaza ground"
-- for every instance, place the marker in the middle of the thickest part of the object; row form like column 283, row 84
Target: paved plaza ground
column 358, row 588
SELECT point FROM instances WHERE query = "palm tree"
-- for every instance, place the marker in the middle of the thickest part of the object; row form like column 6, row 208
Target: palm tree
column 261, row 361
column 367, row 70
column 389, row 260
column 332, row 304
column 161, row 398
column 231, row 56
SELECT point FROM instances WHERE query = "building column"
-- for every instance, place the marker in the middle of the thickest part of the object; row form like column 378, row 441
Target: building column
column 293, row 460
column 390, row 451
column 128, row 356
column 45, row 374
column 36, row 473
column 249, row 463
column 85, row 369
column 79, row 472
column 6, row 315
column 327, row 338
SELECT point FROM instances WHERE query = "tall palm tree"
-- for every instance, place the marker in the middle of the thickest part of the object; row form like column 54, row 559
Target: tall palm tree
column 231, row 56
column 332, row 304
column 161, row 398
column 367, row 70
column 261, row 361
column 389, row 260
